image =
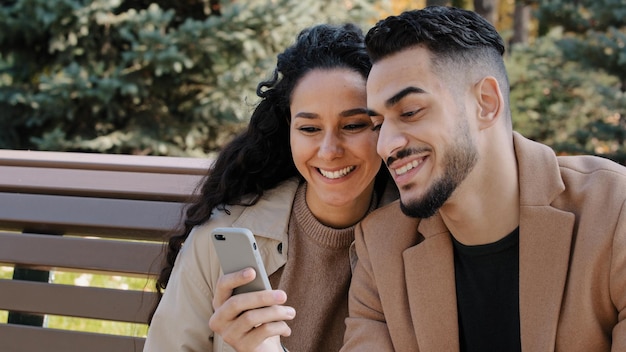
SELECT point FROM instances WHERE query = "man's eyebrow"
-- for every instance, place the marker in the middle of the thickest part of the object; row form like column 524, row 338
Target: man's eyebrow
column 372, row 112
column 403, row 93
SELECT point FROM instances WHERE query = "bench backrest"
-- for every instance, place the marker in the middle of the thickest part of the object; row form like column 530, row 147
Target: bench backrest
column 91, row 213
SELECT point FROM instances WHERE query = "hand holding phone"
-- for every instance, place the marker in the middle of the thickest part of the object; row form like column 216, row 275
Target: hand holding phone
column 237, row 249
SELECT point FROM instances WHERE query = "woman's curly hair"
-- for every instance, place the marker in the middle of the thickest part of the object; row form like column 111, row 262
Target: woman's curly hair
column 260, row 158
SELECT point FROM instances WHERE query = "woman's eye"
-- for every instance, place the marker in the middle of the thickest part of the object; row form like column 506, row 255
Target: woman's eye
column 377, row 127
column 308, row 129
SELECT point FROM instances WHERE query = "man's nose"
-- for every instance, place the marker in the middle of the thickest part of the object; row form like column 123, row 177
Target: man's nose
column 390, row 140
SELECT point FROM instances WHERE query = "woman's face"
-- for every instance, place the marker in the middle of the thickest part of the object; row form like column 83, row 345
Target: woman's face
column 333, row 145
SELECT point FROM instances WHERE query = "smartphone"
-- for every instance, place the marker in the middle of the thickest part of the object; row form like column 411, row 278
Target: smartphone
column 237, row 250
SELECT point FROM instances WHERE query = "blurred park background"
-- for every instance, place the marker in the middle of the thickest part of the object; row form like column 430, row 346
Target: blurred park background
column 178, row 77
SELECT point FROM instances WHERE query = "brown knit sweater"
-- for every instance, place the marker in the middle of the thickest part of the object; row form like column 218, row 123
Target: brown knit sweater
column 316, row 278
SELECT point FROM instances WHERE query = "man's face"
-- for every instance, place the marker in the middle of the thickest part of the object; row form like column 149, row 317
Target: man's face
column 425, row 136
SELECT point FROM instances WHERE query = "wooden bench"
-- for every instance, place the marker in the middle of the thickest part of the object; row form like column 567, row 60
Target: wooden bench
column 86, row 213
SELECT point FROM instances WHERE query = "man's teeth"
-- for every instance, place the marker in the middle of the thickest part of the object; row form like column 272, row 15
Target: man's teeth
column 337, row 174
column 407, row 167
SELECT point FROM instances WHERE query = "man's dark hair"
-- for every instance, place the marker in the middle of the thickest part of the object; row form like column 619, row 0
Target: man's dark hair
column 460, row 42
column 443, row 30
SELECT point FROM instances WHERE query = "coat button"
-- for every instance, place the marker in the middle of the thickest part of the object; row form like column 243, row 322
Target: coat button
column 280, row 248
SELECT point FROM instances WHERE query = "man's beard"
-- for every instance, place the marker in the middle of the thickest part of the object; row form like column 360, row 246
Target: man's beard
column 460, row 160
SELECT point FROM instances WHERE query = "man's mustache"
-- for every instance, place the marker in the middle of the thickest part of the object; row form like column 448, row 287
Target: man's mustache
column 403, row 153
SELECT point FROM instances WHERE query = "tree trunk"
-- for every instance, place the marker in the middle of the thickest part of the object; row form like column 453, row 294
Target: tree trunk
column 462, row 4
column 521, row 21
column 216, row 9
column 488, row 9
column 438, row 2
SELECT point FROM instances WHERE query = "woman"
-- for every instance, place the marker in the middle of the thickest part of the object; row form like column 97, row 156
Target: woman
column 300, row 177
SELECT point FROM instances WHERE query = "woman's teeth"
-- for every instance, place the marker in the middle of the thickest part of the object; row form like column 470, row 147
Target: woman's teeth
column 337, row 174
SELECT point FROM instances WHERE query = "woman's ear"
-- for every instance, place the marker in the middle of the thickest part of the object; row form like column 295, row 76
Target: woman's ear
column 490, row 102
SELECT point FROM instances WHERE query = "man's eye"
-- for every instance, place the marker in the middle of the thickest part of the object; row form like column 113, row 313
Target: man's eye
column 411, row 113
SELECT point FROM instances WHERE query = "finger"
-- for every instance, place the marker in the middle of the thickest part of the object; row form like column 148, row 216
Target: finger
column 275, row 328
column 228, row 282
column 237, row 305
column 256, row 300
column 236, row 322
column 246, row 333
column 261, row 338
column 254, row 318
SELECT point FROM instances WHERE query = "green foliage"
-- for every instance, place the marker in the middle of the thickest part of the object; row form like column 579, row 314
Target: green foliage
column 558, row 102
column 166, row 77
column 594, row 32
column 580, row 16
column 568, row 89
column 141, row 77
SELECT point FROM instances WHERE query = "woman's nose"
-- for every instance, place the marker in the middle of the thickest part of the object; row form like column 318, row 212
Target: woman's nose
column 331, row 147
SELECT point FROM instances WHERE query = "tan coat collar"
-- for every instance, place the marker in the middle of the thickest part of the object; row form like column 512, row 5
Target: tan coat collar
column 270, row 216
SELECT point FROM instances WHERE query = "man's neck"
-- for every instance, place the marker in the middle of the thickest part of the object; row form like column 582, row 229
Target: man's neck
column 485, row 208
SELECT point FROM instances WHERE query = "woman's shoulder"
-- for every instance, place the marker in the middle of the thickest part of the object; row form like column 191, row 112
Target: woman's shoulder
column 274, row 207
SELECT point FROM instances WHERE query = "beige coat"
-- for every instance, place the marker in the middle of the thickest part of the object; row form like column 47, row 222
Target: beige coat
column 181, row 322
column 572, row 265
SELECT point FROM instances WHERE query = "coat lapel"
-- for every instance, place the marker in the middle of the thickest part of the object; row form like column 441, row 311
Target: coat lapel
column 429, row 270
column 545, row 240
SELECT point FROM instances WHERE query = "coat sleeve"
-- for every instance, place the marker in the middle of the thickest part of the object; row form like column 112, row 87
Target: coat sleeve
column 366, row 327
column 181, row 321
column 618, row 281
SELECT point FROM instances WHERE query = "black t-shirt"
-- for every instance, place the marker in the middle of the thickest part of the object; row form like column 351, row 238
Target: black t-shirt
column 487, row 290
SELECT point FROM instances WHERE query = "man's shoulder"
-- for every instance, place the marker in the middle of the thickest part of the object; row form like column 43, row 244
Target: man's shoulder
column 389, row 219
column 388, row 231
column 590, row 163
column 588, row 166
column 388, row 211
column 592, row 184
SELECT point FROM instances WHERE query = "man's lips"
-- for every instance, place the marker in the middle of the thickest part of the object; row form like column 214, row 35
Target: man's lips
column 406, row 160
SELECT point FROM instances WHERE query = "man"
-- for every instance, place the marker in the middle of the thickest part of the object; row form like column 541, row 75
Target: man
column 496, row 244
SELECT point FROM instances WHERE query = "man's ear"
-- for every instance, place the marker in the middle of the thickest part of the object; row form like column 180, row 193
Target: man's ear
column 490, row 102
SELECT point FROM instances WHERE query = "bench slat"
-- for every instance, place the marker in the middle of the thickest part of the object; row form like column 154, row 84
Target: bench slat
column 97, row 183
column 93, row 161
column 46, row 194
column 76, row 301
column 80, row 215
column 46, row 252
column 17, row 338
